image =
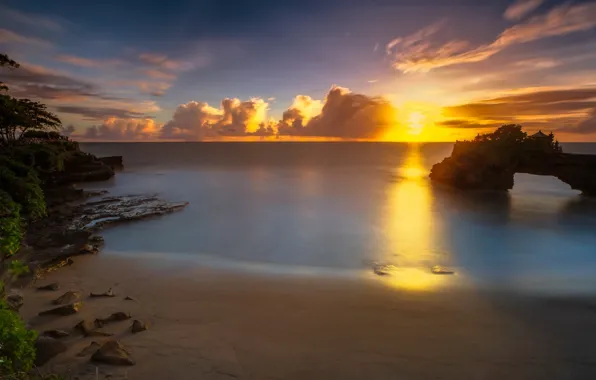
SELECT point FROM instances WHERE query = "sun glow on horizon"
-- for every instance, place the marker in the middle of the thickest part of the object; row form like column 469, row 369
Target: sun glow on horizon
column 415, row 122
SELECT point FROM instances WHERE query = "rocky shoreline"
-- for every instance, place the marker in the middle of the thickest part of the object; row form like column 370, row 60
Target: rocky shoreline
column 75, row 217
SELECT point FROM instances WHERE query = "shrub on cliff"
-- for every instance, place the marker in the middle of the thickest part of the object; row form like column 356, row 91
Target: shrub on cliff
column 10, row 225
column 17, row 344
column 23, row 185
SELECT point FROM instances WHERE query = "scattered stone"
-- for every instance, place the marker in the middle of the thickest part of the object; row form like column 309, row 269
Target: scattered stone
column 109, row 293
column 440, row 270
column 89, row 328
column 57, row 263
column 96, row 239
column 89, row 249
column 65, row 310
column 50, row 287
column 138, row 326
column 15, row 301
column 115, row 317
column 56, row 334
column 114, row 353
column 90, row 349
column 46, row 348
column 128, row 298
column 66, row 298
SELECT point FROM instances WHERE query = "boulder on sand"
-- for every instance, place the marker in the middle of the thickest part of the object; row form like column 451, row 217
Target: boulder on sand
column 114, row 317
column 114, row 353
column 109, row 293
column 65, row 310
column 50, row 287
column 138, row 326
column 90, row 349
column 14, row 301
column 89, row 328
column 46, row 348
column 66, row 298
column 56, row 334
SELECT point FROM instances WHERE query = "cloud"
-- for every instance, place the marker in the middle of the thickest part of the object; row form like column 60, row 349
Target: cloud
column 587, row 125
column 549, row 109
column 30, row 19
column 115, row 128
column 68, row 130
column 417, row 53
column 7, row 36
column 86, row 62
column 146, row 87
column 100, row 113
column 38, row 82
column 157, row 74
column 162, row 61
column 521, row 8
column 197, row 120
column 344, row 115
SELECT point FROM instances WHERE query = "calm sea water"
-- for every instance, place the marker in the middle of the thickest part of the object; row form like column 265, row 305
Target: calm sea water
column 344, row 208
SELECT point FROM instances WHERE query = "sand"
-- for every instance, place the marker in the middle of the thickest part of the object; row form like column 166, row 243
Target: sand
column 221, row 324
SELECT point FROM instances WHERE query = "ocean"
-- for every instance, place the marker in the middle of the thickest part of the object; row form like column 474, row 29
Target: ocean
column 350, row 209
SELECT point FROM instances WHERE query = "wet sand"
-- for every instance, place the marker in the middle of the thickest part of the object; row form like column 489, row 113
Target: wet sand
column 220, row 324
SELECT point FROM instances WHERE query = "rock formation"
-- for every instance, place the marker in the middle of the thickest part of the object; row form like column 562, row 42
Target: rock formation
column 490, row 164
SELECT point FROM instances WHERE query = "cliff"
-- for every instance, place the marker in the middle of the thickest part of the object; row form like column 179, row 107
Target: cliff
column 491, row 165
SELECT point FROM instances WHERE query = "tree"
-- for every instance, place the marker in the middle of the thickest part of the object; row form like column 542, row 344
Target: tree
column 510, row 134
column 18, row 116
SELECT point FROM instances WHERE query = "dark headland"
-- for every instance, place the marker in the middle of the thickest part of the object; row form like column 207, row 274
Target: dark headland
column 490, row 161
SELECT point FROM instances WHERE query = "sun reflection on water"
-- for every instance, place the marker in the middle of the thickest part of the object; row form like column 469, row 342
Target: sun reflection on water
column 409, row 227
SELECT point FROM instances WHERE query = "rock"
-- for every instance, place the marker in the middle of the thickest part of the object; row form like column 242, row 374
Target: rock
column 89, row 249
column 109, row 293
column 138, row 326
column 83, row 167
column 115, row 162
column 56, row 334
column 440, row 270
column 109, row 210
column 66, row 298
column 128, row 298
column 491, row 163
column 15, row 301
column 46, row 348
column 90, row 349
column 50, row 287
column 65, row 310
column 114, row 317
column 114, row 353
column 89, row 328
column 96, row 239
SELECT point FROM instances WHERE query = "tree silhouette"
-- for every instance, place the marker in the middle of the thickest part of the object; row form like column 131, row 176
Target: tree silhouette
column 18, row 116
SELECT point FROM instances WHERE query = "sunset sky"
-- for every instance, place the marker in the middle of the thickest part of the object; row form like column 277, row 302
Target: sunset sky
column 397, row 70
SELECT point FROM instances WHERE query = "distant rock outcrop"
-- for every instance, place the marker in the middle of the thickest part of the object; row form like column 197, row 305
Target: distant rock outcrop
column 490, row 161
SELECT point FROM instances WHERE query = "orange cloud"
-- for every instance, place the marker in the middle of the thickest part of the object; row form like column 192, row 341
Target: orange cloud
column 416, row 53
column 123, row 129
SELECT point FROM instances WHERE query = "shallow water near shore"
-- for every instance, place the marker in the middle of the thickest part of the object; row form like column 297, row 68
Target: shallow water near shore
column 343, row 209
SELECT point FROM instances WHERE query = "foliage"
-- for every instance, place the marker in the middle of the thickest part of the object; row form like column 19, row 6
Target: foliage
column 510, row 134
column 24, row 189
column 17, row 268
column 17, row 345
column 19, row 116
column 10, row 225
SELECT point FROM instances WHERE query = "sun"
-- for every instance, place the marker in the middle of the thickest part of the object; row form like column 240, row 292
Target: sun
column 415, row 122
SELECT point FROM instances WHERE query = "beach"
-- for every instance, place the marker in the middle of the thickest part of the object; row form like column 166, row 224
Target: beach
column 221, row 324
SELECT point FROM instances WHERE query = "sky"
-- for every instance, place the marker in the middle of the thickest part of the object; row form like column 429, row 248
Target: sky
column 390, row 70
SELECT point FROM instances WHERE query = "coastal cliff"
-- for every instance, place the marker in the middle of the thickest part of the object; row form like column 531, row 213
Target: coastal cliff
column 490, row 161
